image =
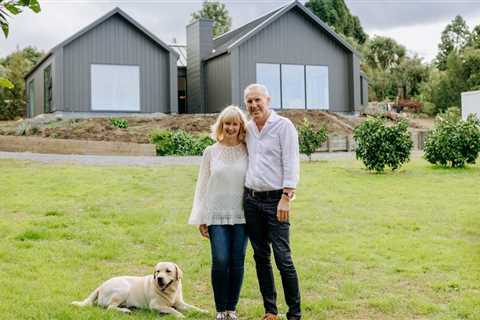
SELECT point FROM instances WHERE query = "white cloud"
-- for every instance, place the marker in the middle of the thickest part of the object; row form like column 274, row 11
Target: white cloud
column 422, row 39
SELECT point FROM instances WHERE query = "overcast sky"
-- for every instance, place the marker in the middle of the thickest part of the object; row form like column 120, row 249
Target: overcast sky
column 417, row 24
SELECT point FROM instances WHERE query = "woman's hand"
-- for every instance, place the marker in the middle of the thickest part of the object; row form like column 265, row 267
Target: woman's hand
column 203, row 230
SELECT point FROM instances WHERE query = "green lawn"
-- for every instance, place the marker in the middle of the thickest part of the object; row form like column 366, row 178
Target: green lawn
column 403, row 245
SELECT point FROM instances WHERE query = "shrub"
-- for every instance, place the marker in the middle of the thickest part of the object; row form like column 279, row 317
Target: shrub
column 179, row 143
column 453, row 142
column 379, row 145
column 310, row 139
column 119, row 123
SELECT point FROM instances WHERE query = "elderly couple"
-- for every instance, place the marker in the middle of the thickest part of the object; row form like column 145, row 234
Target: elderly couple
column 246, row 182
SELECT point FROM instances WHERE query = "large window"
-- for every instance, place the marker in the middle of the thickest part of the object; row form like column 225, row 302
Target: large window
column 295, row 86
column 317, row 87
column 115, row 87
column 269, row 75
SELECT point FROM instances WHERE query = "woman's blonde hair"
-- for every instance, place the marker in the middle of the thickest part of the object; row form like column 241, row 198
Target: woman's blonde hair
column 230, row 113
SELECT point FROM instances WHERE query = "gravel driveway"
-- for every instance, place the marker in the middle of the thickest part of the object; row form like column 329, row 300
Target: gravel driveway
column 135, row 161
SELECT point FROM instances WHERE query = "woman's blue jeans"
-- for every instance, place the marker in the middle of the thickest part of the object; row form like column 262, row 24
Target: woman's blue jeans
column 228, row 243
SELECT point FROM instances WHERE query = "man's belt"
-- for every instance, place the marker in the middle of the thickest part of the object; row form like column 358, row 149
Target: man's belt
column 264, row 194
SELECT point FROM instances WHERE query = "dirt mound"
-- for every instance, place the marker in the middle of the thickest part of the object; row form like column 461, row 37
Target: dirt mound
column 139, row 129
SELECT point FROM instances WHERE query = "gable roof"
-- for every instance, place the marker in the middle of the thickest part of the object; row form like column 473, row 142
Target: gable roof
column 108, row 15
column 247, row 31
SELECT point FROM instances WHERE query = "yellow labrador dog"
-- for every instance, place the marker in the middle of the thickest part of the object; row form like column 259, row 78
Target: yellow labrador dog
column 161, row 291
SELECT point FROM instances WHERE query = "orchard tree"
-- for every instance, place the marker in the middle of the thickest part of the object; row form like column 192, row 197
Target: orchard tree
column 218, row 13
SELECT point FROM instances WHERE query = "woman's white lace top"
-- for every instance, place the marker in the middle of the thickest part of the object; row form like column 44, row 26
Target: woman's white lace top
column 219, row 192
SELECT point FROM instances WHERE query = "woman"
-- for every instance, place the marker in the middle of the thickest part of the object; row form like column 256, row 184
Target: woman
column 218, row 211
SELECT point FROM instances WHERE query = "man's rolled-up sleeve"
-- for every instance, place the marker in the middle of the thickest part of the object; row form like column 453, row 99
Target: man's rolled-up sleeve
column 290, row 156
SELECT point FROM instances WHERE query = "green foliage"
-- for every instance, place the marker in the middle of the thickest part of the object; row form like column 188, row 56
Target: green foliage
column 179, row 143
column 5, row 83
column 388, row 69
column 14, row 7
column 475, row 38
column 453, row 142
column 119, row 123
column 337, row 15
column 409, row 74
column 14, row 67
column 454, row 37
column 218, row 12
column 379, row 145
column 310, row 139
column 384, row 53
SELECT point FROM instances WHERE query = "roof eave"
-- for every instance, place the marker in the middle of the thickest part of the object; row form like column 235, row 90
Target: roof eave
column 38, row 64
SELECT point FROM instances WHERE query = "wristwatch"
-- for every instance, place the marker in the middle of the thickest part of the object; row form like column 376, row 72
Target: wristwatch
column 290, row 195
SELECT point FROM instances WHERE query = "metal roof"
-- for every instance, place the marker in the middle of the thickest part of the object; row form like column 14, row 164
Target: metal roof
column 238, row 36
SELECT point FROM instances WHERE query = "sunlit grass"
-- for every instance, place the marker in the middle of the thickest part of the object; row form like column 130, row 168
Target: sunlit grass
column 403, row 245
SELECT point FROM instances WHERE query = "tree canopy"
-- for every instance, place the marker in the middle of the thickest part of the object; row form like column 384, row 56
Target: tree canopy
column 218, row 13
column 337, row 15
column 454, row 37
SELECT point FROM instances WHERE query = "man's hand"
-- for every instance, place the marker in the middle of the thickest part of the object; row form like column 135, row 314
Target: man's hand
column 283, row 209
column 203, row 230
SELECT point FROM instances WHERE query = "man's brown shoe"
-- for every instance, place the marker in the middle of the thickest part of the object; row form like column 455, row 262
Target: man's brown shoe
column 270, row 316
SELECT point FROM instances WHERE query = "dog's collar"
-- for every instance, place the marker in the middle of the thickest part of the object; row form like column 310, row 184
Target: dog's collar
column 166, row 287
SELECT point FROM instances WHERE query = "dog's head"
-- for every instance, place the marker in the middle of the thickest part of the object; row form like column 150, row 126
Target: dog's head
column 166, row 273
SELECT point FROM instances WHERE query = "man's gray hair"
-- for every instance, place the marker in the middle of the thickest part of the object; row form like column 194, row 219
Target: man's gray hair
column 257, row 87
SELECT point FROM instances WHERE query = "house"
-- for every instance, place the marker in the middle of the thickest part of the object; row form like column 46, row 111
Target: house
column 112, row 65
column 470, row 104
column 302, row 61
column 116, row 65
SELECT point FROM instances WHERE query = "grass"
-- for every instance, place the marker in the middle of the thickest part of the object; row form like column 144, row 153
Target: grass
column 403, row 245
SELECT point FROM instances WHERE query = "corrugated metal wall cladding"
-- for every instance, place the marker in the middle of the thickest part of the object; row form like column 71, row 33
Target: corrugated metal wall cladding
column 293, row 39
column 218, row 83
column 116, row 42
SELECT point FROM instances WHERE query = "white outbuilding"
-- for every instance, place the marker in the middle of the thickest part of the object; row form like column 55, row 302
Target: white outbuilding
column 470, row 104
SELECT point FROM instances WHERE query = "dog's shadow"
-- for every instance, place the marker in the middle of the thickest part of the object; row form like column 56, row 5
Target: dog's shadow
column 151, row 314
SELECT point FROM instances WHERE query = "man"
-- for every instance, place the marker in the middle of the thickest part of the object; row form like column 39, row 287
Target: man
column 272, row 176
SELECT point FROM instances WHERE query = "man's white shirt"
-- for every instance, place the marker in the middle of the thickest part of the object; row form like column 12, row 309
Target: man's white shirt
column 273, row 155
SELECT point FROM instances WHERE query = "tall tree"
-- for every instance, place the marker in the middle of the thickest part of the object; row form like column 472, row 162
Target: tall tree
column 475, row 38
column 218, row 13
column 454, row 37
column 410, row 74
column 384, row 53
column 337, row 15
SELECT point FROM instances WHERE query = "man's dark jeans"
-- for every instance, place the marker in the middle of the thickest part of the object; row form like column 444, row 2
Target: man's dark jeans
column 264, row 229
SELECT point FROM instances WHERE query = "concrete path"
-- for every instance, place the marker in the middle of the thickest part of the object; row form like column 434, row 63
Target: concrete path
column 137, row 161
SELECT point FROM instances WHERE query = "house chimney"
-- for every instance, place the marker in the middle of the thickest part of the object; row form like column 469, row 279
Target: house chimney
column 199, row 46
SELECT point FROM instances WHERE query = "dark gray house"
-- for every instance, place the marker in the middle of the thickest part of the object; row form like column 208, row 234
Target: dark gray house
column 116, row 65
column 302, row 61
column 112, row 65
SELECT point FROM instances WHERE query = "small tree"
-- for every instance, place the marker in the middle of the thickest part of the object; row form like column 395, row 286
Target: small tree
column 310, row 139
column 218, row 13
column 379, row 145
column 453, row 142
